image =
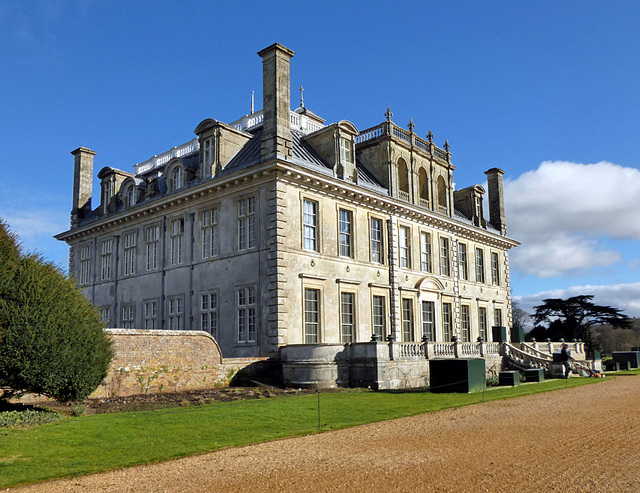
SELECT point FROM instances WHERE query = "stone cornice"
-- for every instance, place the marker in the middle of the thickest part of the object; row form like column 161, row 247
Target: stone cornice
column 351, row 192
column 167, row 202
column 305, row 177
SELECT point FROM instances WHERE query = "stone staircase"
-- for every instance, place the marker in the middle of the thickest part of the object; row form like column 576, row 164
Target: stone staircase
column 527, row 357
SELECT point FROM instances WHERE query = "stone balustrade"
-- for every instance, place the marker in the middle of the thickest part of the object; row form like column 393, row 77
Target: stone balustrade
column 525, row 359
column 576, row 349
column 165, row 157
column 411, row 350
column 442, row 350
column 392, row 364
column 389, row 128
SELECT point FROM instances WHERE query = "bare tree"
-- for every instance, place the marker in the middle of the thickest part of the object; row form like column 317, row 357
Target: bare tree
column 520, row 318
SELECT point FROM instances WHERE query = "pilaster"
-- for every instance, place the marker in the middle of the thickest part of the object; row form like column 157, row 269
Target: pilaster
column 276, row 267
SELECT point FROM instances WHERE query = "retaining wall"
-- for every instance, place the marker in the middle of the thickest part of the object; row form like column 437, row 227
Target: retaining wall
column 156, row 361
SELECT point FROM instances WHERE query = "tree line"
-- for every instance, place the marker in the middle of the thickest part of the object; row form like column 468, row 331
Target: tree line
column 601, row 327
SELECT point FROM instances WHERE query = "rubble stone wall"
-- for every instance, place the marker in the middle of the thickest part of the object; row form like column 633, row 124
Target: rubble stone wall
column 156, row 361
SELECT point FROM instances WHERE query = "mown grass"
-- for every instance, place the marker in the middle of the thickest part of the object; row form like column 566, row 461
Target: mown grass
column 635, row 371
column 87, row 444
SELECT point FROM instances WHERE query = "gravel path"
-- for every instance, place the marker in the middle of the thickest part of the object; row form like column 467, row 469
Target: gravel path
column 573, row 440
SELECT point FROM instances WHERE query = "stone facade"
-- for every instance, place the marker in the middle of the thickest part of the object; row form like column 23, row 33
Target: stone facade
column 278, row 232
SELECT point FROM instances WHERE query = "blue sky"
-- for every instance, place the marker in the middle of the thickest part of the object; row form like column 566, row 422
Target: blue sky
column 547, row 91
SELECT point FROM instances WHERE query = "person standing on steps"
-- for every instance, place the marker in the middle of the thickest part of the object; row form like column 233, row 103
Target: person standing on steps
column 565, row 358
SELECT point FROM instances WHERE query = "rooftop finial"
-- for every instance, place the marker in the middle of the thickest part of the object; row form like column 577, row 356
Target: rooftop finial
column 446, row 145
column 388, row 114
column 301, row 97
column 252, row 103
column 430, row 136
column 411, row 126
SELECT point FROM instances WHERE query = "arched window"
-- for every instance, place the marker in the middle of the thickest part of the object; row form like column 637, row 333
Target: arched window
column 423, row 183
column 442, row 192
column 177, row 177
column 131, row 196
column 403, row 176
column 107, row 194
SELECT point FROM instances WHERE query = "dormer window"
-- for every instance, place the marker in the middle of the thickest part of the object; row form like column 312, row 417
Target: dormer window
column 346, row 151
column 131, row 196
column 177, row 177
column 107, row 193
column 207, row 158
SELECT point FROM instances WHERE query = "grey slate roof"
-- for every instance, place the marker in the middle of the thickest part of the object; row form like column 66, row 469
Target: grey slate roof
column 303, row 155
column 460, row 216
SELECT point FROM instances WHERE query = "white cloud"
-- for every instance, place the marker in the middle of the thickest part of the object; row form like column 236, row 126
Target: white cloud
column 623, row 296
column 561, row 212
column 35, row 218
column 561, row 253
column 34, row 224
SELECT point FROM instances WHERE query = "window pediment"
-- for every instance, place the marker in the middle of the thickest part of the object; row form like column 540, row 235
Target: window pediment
column 429, row 283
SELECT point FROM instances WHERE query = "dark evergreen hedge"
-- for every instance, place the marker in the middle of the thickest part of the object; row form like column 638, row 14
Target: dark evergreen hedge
column 51, row 337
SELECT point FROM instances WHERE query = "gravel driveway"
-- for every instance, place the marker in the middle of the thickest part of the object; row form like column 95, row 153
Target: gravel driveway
column 580, row 439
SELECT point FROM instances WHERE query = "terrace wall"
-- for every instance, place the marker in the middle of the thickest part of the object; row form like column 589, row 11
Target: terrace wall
column 156, row 361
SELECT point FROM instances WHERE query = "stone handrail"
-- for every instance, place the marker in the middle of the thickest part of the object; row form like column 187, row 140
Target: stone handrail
column 297, row 121
column 165, row 157
column 440, row 153
column 492, row 347
column 248, row 121
column 422, row 144
column 471, row 349
column 411, row 350
column 442, row 349
column 370, row 133
column 523, row 359
column 555, row 347
column 402, row 134
column 529, row 349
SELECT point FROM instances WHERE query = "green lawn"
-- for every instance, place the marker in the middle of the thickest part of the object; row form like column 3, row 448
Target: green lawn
column 87, row 444
column 635, row 371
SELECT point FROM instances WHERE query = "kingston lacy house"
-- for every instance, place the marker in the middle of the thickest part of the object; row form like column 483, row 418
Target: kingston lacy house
column 347, row 255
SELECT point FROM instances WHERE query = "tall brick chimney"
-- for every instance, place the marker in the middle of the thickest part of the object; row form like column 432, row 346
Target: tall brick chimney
column 276, row 129
column 82, row 183
column 496, row 199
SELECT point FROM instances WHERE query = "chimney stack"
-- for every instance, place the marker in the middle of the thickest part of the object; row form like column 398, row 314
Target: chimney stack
column 276, row 128
column 82, row 183
column 496, row 199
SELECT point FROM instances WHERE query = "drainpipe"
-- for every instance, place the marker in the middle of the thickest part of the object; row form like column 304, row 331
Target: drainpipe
column 189, row 310
column 115, row 281
column 393, row 279
column 94, row 268
column 163, row 249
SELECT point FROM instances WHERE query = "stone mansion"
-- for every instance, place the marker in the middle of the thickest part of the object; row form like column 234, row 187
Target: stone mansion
column 287, row 237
